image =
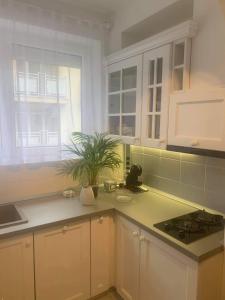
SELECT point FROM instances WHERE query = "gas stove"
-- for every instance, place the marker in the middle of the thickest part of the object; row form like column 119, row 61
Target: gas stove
column 193, row 226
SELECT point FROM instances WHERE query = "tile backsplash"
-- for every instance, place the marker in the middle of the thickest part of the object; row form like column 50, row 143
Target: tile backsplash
column 199, row 179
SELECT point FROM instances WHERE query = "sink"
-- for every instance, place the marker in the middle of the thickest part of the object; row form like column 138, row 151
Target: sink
column 10, row 215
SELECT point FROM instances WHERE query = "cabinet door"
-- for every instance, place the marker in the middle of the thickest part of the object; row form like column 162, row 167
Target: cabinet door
column 197, row 120
column 127, row 259
column 165, row 273
column 156, row 85
column 124, row 99
column 16, row 268
column 62, row 262
column 102, row 254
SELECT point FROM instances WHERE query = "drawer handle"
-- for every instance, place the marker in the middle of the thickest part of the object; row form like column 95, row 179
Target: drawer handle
column 27, row 244
column 194, row 143
column 162, row 141
column 100, row 220
column 65, row 228
column 135, row 233
column 142, row 238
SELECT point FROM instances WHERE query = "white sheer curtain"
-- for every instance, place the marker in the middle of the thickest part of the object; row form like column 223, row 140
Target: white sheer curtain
column 50, row 83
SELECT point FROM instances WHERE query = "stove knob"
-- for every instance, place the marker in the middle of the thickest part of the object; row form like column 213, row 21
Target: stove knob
column 167, row 226
column 181, row 234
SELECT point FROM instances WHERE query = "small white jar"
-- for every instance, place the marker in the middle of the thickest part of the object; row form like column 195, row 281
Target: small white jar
column 87, row 196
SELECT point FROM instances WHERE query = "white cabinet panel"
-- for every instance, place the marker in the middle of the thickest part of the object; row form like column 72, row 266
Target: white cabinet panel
column 156, row 87
column 165, row 273
column 127, row 259
column 16, row 268
column 102, row 253
column 197, row 120
column 62, row 262
column 124, row 93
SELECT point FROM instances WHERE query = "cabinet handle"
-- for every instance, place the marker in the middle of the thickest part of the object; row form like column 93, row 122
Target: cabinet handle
column 135, row 233
column 65, row 228
column 194, row 142
column 142, row 238
column 100, row 220
column 27, row 245
column 161, row 141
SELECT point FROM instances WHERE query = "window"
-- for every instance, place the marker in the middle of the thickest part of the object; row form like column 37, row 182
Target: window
column 46, row 104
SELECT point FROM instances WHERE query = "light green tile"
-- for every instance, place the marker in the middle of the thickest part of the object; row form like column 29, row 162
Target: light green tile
column 215, row 200
column 137, row 158
column 169, row 168
column 192, row 193
column 170, row 154
column 136, row 149
column 193, row 174
column 198, row 159
column 215, row 179
column 215, row 162
column 151, row 164
column 152, row 151
column 165, row 185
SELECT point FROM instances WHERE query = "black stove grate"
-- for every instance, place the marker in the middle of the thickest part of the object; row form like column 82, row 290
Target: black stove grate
column 192, row 227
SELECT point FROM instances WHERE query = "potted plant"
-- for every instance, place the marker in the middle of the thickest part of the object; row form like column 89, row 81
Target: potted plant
column 93, row 153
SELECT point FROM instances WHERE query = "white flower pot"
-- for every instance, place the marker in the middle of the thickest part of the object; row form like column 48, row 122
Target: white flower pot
column 87, row 196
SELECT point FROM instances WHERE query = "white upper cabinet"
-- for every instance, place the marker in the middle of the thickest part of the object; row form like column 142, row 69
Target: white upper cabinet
column 139, row 81
column 196, row 120
column 156, row 88
column 181, row 65
column 124, row 99
column 17, row 268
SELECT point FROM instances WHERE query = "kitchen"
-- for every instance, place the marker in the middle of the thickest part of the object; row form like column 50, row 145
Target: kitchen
column 150, row 74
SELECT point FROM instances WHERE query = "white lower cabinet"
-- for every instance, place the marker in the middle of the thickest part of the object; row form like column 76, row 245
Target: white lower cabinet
column 127, row 259
column 149, row 269
column 165, row 274
column 102, row 253
column 62, row 262
column 16, row 268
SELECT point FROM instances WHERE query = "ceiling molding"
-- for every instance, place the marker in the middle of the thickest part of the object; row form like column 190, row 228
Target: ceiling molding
column 186, row 29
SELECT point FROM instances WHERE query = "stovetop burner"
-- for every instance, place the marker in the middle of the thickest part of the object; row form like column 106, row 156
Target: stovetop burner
column 193, row 226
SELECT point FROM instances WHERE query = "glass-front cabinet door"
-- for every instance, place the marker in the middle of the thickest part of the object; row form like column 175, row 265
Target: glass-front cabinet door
column 156, row 88
column 124, row 99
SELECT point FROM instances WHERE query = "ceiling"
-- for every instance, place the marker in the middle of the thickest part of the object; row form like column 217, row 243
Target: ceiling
column 101, row 6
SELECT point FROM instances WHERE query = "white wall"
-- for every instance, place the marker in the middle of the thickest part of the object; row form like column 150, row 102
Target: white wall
column 137, row 11
column 208, row 51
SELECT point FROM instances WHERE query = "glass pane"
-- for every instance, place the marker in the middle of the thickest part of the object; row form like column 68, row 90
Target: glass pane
column 150, row 127
column 159, row 69
column 157, row 127
column 114, row 125
column 34, row 67
column 114, row 81
column 151, row 99
column 128, row 125
column 130, row 78
column 129, row 102
column 151, row 72
column 114, row 104
column 178, row 79
column 158, row 99
column 179, row 54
